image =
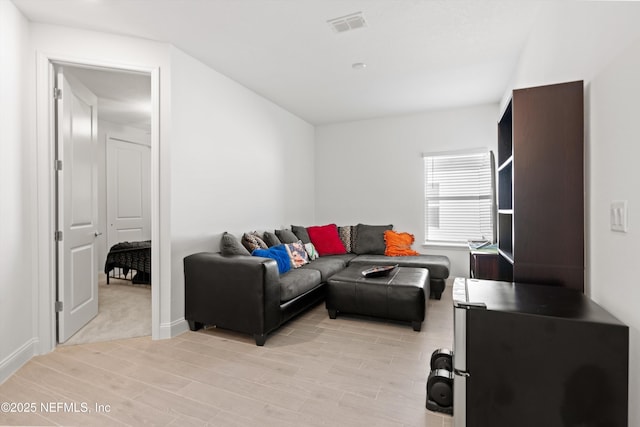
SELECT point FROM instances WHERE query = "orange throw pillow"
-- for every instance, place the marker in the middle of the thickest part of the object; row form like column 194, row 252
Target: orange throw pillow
column 398, row 244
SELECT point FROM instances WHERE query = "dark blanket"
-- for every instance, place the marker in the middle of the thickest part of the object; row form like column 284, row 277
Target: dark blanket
column 131, row 256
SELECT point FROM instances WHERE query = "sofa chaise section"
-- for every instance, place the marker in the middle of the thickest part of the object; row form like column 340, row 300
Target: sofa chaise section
column 246, row 293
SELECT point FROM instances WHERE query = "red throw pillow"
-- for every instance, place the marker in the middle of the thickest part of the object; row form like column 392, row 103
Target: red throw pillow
column 326, row 239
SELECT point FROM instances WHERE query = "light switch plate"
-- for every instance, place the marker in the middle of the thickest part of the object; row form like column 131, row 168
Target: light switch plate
column 618, row 214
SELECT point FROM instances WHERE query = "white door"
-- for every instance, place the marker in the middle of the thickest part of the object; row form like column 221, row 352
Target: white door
column 128, row 191
column 77, row 215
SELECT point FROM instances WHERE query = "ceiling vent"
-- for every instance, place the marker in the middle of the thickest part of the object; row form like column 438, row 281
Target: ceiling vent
column 349, row 22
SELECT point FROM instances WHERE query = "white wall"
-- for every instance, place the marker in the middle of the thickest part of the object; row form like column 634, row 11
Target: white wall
column 615, row 150
column 17, row 291
column 78, row 46
column 600, row 43
column 239, row 163
column 371, row 171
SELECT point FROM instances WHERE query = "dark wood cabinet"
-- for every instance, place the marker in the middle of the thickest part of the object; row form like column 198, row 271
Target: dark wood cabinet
column 535, row 355
column 484, row 265
column 541, row 186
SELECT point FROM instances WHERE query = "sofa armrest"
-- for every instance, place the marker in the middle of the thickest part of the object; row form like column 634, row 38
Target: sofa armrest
column 238, row 292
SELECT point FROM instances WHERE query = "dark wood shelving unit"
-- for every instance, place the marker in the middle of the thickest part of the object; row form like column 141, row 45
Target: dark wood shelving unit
column 541, row 186
column 505, row 194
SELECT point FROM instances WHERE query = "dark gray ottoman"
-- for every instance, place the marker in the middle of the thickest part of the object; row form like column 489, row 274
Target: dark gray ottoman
column 399, row 296
column 438, row 266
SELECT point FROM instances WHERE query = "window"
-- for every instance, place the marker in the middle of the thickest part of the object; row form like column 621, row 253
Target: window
column 459, row 197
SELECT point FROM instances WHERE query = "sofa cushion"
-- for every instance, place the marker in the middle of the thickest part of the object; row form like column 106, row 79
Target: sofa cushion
column 326, row 240
column 286, row 236
column 298, row 281
column 279, row 253
column 328, row 265
column 297, row 254
column 271, row 239
column 437, row 265
column 344, row 257
column 398, row 244
column 301, row 233
column 230, row 245
column 370, row 239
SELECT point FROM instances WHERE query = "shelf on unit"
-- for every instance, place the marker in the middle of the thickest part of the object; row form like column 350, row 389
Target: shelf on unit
column 505, row 185
column 505, row 134
column 541, row 142
column 505, row 232
column 506, row 163
column 507, row 255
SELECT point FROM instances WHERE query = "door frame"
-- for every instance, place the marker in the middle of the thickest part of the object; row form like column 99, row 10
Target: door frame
column 45, row 286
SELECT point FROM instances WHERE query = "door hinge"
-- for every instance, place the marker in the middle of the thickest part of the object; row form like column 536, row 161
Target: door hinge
column 57, row 93
column 58, row 306
column 58, row 236
column 58, row 165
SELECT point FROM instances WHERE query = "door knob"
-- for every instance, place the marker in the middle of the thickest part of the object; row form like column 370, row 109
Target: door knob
column 97, row 233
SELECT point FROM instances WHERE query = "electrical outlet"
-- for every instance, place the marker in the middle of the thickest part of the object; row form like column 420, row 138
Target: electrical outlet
column 618, row 216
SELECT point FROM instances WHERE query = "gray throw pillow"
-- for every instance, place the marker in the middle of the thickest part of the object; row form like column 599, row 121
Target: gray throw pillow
column 230, row 245
column 271, row 239
column 301, row 233
column 286, row 236
column 370, row 239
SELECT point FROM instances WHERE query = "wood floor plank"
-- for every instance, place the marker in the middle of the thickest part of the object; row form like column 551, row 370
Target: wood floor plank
column 239, row 404
column 178, row 406
column 136, row 369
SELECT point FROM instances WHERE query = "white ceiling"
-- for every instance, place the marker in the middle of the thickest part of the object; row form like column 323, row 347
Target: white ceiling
column 420, row 54
column 123, row 97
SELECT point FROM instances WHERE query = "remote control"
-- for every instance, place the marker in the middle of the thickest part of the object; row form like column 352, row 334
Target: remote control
column 378, row 270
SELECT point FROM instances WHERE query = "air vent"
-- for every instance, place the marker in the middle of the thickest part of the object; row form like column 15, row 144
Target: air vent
column 348, row 22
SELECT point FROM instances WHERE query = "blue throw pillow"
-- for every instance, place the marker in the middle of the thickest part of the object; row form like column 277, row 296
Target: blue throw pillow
column 279, row 253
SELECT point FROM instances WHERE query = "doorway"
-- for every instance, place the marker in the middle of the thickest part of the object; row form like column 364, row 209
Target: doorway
column 122, row 186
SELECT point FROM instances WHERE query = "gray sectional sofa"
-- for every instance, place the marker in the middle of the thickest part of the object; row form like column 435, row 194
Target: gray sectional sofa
column 247, row 294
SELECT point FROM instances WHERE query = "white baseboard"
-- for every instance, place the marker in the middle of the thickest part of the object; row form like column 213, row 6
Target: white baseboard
column 17, row 359
column 173, row 329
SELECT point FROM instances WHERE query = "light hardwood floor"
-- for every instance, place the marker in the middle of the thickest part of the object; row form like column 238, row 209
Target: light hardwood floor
column 124, row 311
column 314, row 371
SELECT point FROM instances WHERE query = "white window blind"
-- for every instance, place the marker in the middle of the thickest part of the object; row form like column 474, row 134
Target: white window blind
column 459, row 197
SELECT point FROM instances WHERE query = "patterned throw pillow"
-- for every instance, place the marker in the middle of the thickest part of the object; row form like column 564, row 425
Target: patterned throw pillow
column 297, row 254
column 345, row 236
column 253, row 242
column 311, row 251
